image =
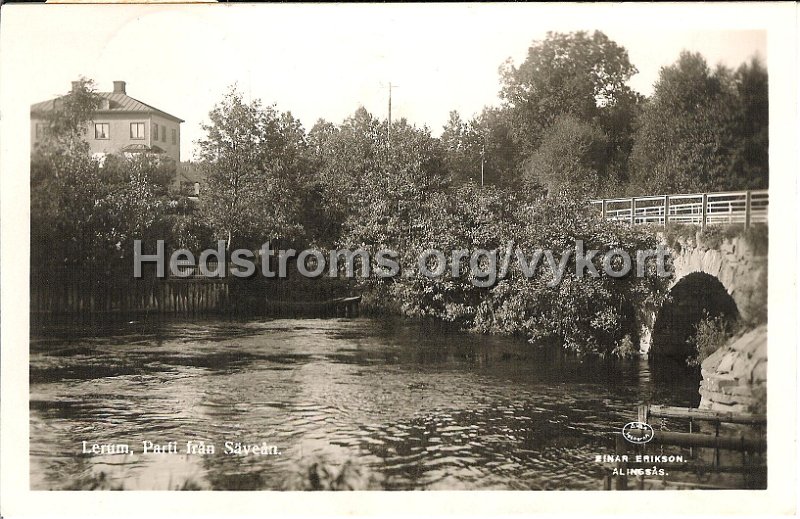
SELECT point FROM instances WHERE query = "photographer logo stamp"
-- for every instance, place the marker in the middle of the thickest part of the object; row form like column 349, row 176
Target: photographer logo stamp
column 638, row 432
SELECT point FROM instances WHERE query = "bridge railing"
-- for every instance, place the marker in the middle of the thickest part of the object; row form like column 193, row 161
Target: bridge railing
column 734, row 207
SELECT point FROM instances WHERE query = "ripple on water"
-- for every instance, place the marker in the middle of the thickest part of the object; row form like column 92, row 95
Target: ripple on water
column 415, row 408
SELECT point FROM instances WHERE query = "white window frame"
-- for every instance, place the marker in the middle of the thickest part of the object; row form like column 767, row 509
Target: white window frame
column 141, row 135
column 108, row 131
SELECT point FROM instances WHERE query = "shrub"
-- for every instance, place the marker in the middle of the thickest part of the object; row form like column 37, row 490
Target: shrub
column 710, row 335
column 625, row 348
column 714, row 235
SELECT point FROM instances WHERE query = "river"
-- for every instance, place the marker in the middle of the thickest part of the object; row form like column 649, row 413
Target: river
column 399, row 404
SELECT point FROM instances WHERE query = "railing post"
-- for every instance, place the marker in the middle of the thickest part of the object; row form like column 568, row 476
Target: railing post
column 666, row 211
column 748, row 202
column 603, row 206
column 704, row 218
column 643, row 413
column 633, row 211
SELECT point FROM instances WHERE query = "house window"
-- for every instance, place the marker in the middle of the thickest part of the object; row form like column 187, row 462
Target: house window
column 155, row 132
column 174, row 136
column 102, row 131
column 137, row 130
column 163, row 134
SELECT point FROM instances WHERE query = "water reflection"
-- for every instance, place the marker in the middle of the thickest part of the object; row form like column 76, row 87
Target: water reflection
column 413, row 406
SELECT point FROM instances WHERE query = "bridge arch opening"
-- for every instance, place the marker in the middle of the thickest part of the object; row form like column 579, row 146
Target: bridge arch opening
column 689, row 301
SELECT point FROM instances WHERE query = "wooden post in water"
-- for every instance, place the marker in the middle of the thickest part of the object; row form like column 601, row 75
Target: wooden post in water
column 621, row 481
column 643, row 413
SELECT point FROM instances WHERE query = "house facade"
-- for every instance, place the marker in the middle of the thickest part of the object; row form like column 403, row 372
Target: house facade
column 121, row 124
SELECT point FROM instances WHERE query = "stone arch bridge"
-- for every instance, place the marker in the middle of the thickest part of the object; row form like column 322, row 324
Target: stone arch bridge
column 720, row 266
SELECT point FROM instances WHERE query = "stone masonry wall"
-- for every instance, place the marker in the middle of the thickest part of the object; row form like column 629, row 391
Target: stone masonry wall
column 739, row 266
column 735, row 376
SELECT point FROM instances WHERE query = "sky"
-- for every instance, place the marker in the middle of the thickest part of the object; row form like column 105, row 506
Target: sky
column 326, row 61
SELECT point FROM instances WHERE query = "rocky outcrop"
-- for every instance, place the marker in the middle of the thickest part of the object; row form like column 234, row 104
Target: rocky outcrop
column 735, row 376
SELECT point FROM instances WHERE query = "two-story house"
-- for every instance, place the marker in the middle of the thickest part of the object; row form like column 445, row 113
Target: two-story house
column 121, row 124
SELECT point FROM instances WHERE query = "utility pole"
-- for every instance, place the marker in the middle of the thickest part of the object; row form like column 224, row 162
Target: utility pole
column 389, row 126
column 483, row 157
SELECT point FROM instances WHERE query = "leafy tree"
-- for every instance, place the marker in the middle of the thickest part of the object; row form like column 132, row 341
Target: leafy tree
column 581, row 74
column 462, row 149
column 256, row 164
column 571, row 159
column 751, row 159
column 376, row 189
column 502, row 153
column 703, row 130
column 348, row 159
column 484, row 140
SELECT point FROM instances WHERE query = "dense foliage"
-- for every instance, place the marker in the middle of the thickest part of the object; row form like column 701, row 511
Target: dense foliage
column 518, row 175
column 256, row 163
column 703, row 130
column 584, row 314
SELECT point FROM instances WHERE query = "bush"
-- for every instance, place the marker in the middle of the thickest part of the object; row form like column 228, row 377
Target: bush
column 710, row 335
column 715, row 235
column 586, row 315
column 625, row 348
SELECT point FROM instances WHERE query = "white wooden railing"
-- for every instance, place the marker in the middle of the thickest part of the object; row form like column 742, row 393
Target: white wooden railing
column 735, row 207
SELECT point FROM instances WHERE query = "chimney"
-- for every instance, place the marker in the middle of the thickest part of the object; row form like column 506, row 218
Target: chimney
column 119, row 87
column 76, row 85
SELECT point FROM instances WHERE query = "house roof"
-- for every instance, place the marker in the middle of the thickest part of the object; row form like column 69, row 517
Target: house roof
column 117, row 103
column 142, row 148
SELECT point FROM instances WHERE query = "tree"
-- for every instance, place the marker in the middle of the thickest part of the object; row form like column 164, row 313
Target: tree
column 375, row 191
column 462, row 149
column 751, row 163
column 486, row 140
column 575, row 73
column 571, row 159
column 256, row 163
column 702, row 130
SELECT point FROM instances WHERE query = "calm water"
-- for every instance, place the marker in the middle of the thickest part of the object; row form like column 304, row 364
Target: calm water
column 402, row 405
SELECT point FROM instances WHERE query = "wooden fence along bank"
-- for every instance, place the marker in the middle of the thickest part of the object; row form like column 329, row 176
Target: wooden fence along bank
column 75, row 295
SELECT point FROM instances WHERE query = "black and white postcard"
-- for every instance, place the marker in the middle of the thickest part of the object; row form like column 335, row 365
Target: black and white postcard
column 388, row 248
